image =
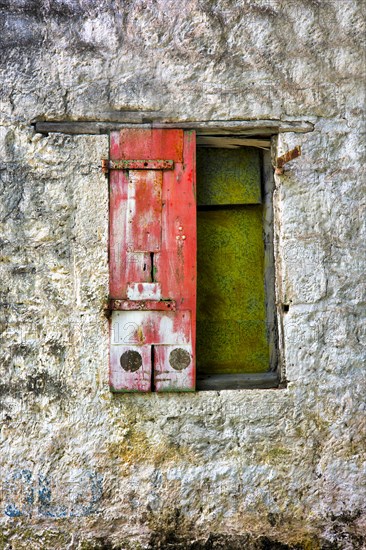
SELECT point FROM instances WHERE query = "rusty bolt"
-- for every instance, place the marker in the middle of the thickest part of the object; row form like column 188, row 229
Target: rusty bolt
column 105, row 166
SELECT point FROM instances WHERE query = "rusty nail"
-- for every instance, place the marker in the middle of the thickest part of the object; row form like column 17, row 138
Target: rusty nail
column 287, row 157
column 105, row 166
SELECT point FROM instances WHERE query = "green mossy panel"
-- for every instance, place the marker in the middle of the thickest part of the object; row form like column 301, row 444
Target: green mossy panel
column 228, row 176
column 231, row 311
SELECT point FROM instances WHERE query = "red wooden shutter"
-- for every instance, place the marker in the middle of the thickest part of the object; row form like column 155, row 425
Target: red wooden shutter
column 152, row 255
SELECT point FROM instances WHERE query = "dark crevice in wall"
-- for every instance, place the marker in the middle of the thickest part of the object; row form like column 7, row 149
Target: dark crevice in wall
column 242, row 542
column 152, row 266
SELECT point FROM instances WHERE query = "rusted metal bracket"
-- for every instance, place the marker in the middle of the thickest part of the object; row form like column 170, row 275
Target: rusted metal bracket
column 287, row 157
column 136, row 165
column 140, row 305
column 105, row 166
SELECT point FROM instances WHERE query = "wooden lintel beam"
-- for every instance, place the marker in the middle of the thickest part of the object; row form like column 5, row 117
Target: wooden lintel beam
column 212, row 127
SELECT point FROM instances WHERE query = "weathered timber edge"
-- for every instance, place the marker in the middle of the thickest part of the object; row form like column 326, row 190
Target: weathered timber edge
column 212, row 127
column 266, row 380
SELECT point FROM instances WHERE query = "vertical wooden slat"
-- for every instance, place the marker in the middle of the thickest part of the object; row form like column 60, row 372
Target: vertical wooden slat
column 117, row 233
column 176, row 263
column 144, row 210
column 130, row 368
column 173, row 368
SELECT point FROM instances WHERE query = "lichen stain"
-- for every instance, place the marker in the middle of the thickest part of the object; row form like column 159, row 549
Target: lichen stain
column 136, row 447
column 132, row 444
column 22, row 537
column 276, row 455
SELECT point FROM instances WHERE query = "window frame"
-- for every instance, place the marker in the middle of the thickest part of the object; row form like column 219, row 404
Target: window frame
column 274, row 377
column 257, row 132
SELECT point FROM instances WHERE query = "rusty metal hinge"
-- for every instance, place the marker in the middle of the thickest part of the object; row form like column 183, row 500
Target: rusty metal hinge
column 137, row 305
column 136, row 165
column 140, row 305
column 105, row 166
column 287, row 157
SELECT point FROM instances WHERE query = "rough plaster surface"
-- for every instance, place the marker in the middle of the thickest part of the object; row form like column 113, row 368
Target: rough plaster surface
column 81, row 468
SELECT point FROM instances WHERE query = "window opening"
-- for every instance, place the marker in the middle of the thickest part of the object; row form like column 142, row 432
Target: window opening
column 234, row 336
column 153, row 260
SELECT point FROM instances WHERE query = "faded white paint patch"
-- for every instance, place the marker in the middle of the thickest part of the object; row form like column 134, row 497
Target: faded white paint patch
column 144, row 291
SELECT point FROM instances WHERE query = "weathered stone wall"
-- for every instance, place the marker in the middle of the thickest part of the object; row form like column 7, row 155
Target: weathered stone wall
column 81, row 468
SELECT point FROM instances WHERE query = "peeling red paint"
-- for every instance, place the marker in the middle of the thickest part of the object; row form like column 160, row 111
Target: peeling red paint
column 153, row 220
column 149, row 144
column 144, row 210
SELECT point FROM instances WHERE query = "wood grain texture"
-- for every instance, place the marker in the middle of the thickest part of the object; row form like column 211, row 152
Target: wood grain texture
column 261, row 127
column 176, row 263
column 232, row 142
column 147, row 143
column 144, row 211
column 140, row 328
column 123, row 360
column 118, row 193
column 173, row 368
column 266, row 380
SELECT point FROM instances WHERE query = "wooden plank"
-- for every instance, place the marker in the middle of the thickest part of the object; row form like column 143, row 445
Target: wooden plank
column 231, row 127
column 176, row 263
column 173, row 368
column 124, row 265
column 151, row 327
column 232, row 143
column 117, row 234
column 268, row 380
column 146, row 143
column 144, row 210
column 130, row 367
